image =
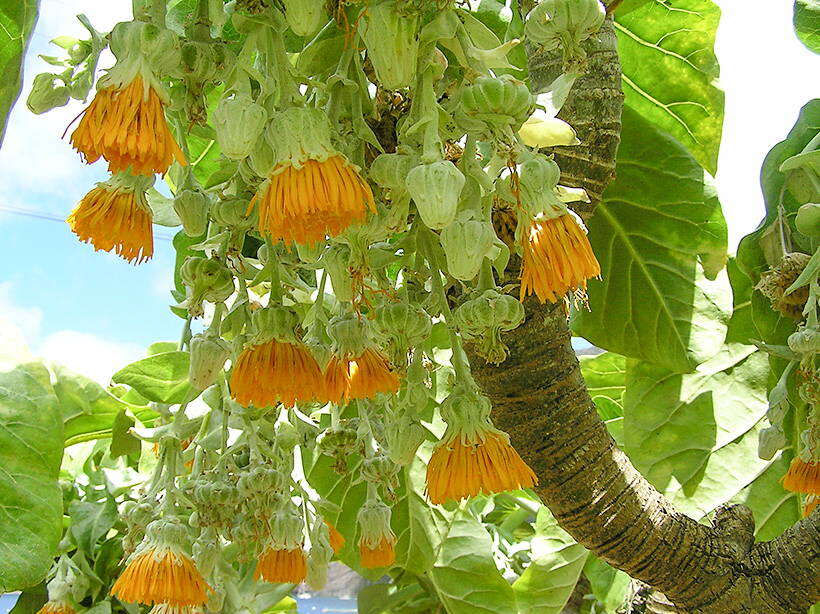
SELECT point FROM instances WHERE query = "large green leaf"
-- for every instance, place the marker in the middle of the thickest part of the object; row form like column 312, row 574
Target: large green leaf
column 162, row 378
column 464, row 575
column 91, row 520
column 413, row 523
column 762, row 248
column 31, row 447
column 605, row 377
column 775, row 509
column 89, row 411
column 694, row 436
column 17, row 19
column 609, row 585
column 659, row 235
column 670, row 71
column 557, row 563
column 807, row 23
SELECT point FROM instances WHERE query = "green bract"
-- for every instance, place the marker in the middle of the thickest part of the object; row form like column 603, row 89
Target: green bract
column 208, row 356
column 46, row 94
column 435, row 188
column 485, row 317
column 305, row 17
column 390, row 170
column 553, row 23
column 231, row 213
column 392, row 42
column 206, row 280
column 496, row 102
column 238, row 122
column 191, row 205
column 466, row 244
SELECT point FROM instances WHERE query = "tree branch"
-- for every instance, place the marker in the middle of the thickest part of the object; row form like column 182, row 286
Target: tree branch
column 540, row 399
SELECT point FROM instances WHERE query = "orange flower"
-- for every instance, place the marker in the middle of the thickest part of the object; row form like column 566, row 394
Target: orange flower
column 165, row 608
column 361, row 377
column 276, row 372
column 381, row 554
column 56, row 607
column 308, row 202
column 115, row 216
column 161, row 575
column 126, row 125
column 811, row 503
column 461, row 468
column 802, row 476
column 282, row 566
column 557, row 258
column 337, row 540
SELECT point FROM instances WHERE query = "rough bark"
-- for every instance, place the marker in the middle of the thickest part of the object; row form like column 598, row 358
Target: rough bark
column 540, row 399
column 593, row 108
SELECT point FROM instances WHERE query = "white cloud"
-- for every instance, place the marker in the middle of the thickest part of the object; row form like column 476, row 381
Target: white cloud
column 88, row 354
column 27, row 320
column 34, row 160
column 84, row 353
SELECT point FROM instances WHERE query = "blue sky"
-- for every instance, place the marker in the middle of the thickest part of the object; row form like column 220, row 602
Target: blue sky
column 95, row 312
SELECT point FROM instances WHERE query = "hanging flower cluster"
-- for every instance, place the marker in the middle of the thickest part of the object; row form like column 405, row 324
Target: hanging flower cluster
column 352, row 216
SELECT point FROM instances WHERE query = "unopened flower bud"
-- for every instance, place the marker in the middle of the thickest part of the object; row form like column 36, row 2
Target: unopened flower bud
column 208, row 356
column 435, row 188
column 192, row 208
column 238, row 122
column 466, row 244
column 46, row 94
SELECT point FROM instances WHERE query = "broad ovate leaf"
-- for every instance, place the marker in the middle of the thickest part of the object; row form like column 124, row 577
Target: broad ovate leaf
column 464, row 576
column 670, row 71
column 557, row 563
column 17, row 19
column 660, row 237
column 31, row 447
column 694, row 435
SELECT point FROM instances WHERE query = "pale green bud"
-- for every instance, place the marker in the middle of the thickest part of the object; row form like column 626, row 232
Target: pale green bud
column 46, row 94
column 435, row 188
column 466, row 244
column 208, row 356
column 553, row 23
column 392, row 43
column 238, row 122
column 192, row 208
column 305, row 17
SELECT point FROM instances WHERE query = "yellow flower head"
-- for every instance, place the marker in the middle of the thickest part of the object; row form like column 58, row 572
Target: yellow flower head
column 115, row 216
column 125, row 124
column 359, row 377
column 276, row 372
column 312, row 191
column 803, row 476
column 160, row 571
column 282, row 565
column 460, row 468
column 56, row 607
column 473, row 456
column 377, row 540
column 381, row 554
column 557, row 258
column 161, row 575
column 320, row 198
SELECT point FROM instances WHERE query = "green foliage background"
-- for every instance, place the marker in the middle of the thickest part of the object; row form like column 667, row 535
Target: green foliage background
column 681, row 386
